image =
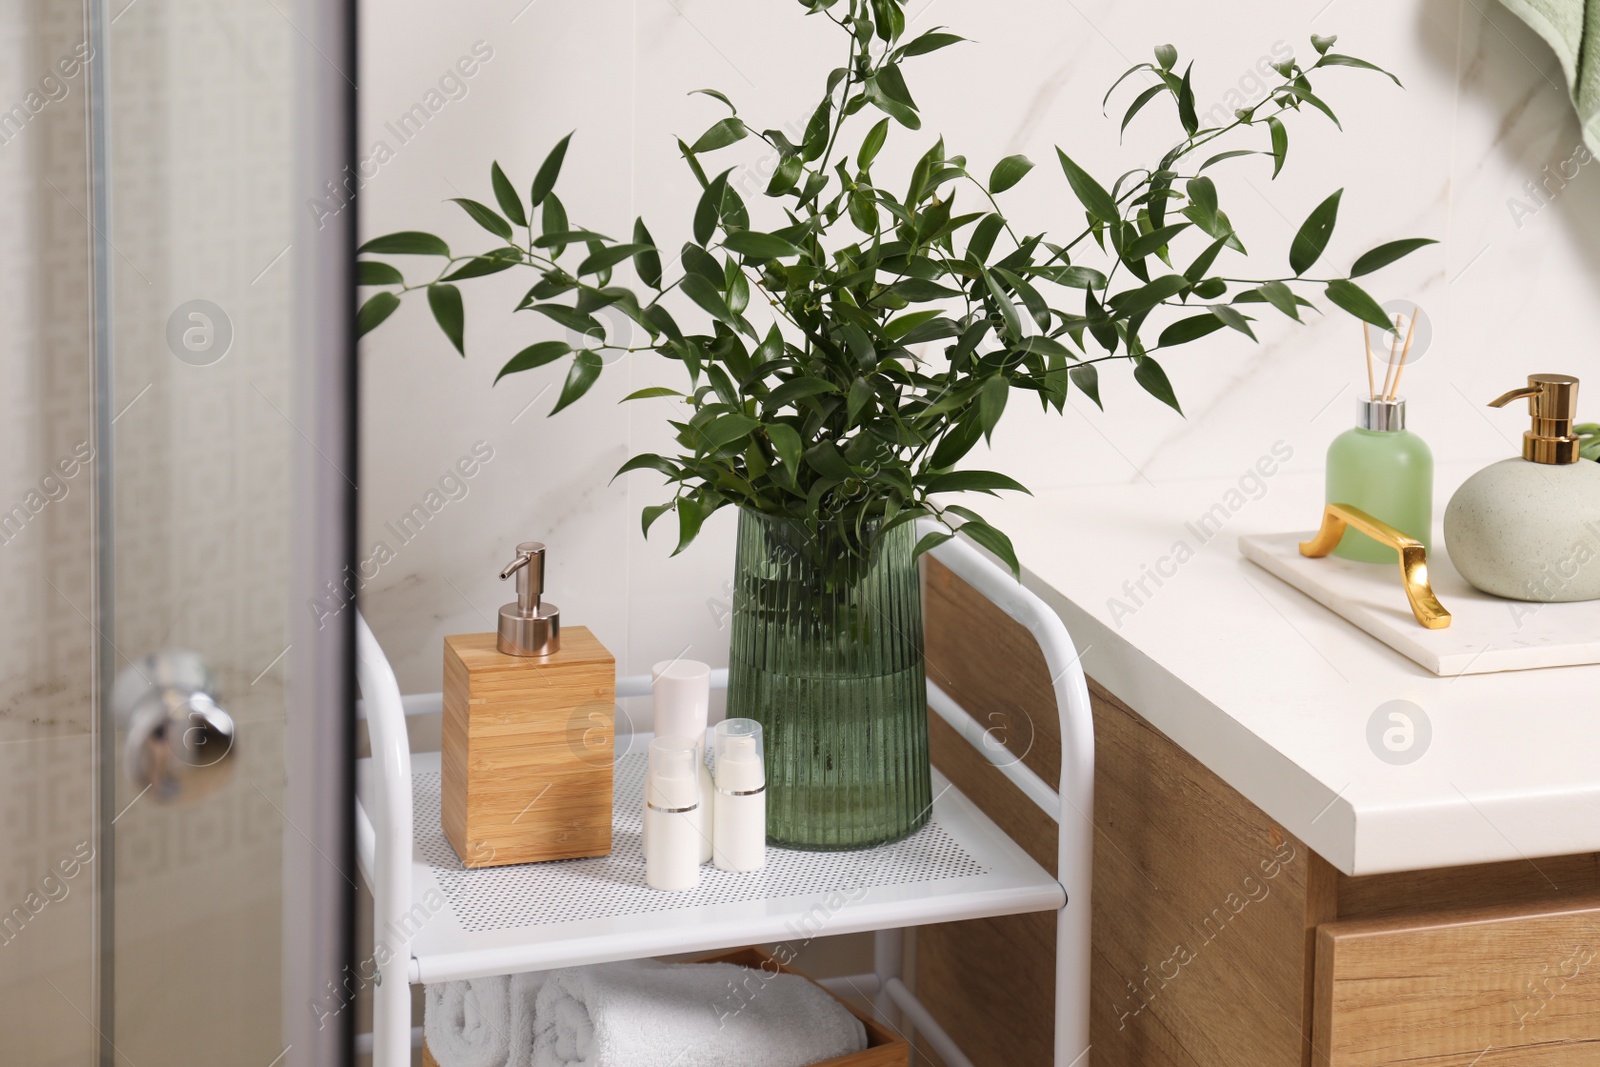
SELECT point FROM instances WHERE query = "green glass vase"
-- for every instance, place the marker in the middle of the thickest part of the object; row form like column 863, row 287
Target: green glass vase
column 827, row 655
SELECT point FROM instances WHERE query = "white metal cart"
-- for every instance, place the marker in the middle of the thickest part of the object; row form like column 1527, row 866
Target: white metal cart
column 436, row 921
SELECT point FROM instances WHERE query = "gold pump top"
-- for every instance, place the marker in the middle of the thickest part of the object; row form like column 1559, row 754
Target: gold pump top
column 1553, row 403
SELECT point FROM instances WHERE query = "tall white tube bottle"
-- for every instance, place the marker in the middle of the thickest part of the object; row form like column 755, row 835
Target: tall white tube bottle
column 672, row 804
column 682, row 692
column 740, row 823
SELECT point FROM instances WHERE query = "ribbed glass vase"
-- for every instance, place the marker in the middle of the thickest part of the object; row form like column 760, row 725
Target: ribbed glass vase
column 827, row 655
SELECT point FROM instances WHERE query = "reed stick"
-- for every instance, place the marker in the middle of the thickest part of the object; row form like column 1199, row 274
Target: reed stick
column 1394, row 355
column 1411, row 334
column 1366, row 339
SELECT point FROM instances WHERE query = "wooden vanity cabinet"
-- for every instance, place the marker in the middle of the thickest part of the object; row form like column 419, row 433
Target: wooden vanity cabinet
column 1219, row 939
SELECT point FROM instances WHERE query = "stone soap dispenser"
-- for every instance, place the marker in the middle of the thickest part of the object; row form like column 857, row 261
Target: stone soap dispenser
column 525, row 768
column 1528, row 528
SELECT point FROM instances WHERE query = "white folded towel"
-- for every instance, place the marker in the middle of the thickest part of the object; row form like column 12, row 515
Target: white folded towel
column 482, row 1022
column 643, row 1013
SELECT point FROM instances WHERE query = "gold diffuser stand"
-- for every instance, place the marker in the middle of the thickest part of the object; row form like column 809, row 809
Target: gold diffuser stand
column 1413, row 557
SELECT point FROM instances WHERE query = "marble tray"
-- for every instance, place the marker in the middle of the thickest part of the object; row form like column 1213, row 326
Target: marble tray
column 1486, row 633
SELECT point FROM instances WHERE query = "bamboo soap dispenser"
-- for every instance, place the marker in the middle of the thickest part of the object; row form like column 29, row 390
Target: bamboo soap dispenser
column 526, row 766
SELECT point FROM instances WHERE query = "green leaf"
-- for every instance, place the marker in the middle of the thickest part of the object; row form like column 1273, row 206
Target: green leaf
column 794, row 389
column 406, row 243
column 549, row 171
column 1334, row 59
column 585, row 370
column 708, row 212
column 650, row 393
column 505, row 194
column 931, row 41
column 649, row 515
column 1354, row 299
column 1148, row 373
column 1139, row 102
column 1090, row 193
column 857, row 399
column 715, row 95
column 1008, row 172
column 484, row 217
column 1166, row 55
column 1008, row 310
column 992, row 403
column 1281, row 297
column 726, row 429
column 1190, row 329
column 480, row 266
column 903, row 113
column 1074, row 277
column 872, row 144
column 918, row 290
column 1386, row 254
column 1234, row 318
column 1309, row 97
column 728, row 131
column 1197, row 269
column 445, row 300
column 1280, row 143
column 1087, row 378
column 535, row 355
column 826, row 459
column 377, row 308
column 786, row 443
column 702, row 292
column 647, row 462
column 973, row 482
column 648, row 261
column 1235, row 154
column 1133, row 301
column 1312, row 239
column 930, row 541
column 604, row 259
column 759, row 245
column 1154, row 241
column 690, row 516
column 374, row 272
column 996, row 542
column 568, row 237
column 1186, row 112
column 552, row 221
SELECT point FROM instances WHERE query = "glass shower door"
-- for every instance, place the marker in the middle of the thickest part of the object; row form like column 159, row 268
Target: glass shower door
column 174, row 432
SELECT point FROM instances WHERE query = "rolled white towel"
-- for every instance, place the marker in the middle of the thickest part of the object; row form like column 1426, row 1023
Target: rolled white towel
column 482, row 1022
column 643, row 1013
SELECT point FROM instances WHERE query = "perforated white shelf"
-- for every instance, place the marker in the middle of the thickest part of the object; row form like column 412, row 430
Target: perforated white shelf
column 500, row 920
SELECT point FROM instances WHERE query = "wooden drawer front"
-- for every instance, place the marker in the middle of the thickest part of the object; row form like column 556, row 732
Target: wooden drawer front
column 1492, row 987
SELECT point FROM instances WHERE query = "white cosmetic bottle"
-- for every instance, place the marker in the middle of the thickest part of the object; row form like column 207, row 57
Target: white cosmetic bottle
column 682, row 692
column 672, row 804
column 741, row 796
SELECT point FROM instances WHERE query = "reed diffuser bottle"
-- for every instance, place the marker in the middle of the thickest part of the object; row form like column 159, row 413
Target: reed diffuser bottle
column 1380, row 466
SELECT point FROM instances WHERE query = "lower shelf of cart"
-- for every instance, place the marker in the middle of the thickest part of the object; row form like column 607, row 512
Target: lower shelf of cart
column 503, row 920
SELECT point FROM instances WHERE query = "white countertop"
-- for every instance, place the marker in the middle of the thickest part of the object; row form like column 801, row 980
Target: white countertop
column 1274, row 693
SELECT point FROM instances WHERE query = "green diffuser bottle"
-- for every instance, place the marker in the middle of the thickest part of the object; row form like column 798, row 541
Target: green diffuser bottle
column 1385, row 470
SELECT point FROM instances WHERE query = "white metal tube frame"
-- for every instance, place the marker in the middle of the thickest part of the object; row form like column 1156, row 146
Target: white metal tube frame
column 389, row 839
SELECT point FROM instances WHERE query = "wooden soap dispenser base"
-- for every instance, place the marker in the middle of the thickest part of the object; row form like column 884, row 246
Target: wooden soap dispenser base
column 526, row 766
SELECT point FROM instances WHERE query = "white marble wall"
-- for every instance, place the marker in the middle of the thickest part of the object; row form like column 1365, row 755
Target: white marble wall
column 1483, row 112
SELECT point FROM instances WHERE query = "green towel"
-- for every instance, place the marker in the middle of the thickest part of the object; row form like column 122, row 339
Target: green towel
column 1572, row 28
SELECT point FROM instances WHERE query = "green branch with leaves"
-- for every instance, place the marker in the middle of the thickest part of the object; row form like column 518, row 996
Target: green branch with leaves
column 844, row 358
